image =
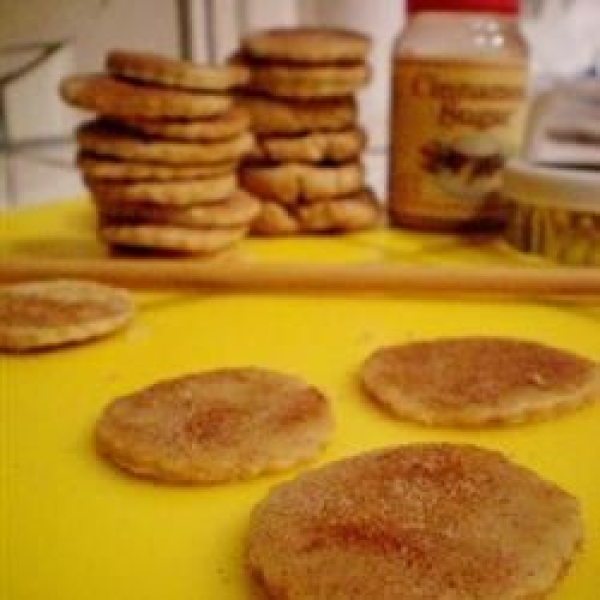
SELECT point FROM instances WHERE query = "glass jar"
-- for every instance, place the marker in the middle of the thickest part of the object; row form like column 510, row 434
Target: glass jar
column 458, row 112
column 553, row 212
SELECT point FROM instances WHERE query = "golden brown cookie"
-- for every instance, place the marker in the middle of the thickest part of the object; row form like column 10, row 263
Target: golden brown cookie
column 478, row 380
column 419, row 522
column 109, row 96
column 309, row 82
column 99, row 138
column 153, row 68
column 354, row 212
column 44, row 314
column 307, row 45
column 170, row 238
column 164, row 192
column 96, row 167
column 315, row 147
column 232, row 123
column 270, row 116
column 275, row 219
column 238, row 209
column 220, row 425
column 292, row 183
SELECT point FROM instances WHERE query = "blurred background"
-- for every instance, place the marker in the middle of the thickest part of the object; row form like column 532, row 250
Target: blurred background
column 43, row 40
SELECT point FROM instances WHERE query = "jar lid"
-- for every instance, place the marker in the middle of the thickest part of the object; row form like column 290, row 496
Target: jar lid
column 569, row 189
column 493, row 6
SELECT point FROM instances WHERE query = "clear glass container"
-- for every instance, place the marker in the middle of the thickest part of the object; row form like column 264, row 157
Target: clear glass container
column 463, row 35
column 457, row 113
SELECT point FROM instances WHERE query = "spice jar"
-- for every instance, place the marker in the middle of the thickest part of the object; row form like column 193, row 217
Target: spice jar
column 458, row 112
column 553, row 212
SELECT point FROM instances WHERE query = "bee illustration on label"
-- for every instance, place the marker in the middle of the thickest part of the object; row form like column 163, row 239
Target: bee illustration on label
column 467, row 167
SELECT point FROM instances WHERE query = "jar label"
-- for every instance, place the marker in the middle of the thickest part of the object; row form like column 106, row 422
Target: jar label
column 454, row 124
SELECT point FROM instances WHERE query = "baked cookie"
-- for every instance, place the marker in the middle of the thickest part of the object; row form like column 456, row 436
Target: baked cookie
column 110, row 96
column 314, row 147
column 309, row 82
column 270, row 116
column 232, row 123
column 214, row 426
column 307, row 45
column 275, row 219
column 153, row 68
column 238, row 209
column 164, row 192
column 478, row 380
column 354, row 212
column 99, row 138
column 96, row 167
column 43, row 314
column 169, row 238
column 421, row 521
column 341, row 215
column 292, row 183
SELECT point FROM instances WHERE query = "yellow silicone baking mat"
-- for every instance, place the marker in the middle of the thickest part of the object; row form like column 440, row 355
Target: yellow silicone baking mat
column 75, row 528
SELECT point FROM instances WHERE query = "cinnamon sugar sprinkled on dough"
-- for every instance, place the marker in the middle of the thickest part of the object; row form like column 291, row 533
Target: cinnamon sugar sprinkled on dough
column 478, row 380
column 215, row 426
column 415, row 522
column 51, row 313
column 38, row 310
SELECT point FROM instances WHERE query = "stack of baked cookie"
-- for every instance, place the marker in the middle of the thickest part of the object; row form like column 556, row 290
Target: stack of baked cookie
column 161, row 157
column 306, row 167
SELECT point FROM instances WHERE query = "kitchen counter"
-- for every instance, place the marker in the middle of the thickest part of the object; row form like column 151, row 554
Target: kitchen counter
column 74, row 527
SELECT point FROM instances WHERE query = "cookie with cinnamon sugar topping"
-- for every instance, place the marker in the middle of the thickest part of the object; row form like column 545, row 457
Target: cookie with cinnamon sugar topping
column 414, row 522
column 105, row 139
column 272, row 116
column 294, row 183
column 473, row 381
column 152, row 68
column 334, row 147
column 309, row 82
column 220, row 127
column 171, row 193
column 168, row 238
column 95, row 167
column 39, row 315
column 214, row 426
column 307, row 45
column 239, row 209
column 106, row 95
column 353, row 212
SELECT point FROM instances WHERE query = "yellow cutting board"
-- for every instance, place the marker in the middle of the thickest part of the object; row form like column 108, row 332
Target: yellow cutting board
column 75, row 528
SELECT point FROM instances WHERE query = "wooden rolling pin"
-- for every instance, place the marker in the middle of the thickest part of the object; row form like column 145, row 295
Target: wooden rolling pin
column 576, row 282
